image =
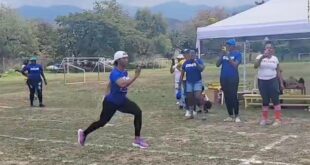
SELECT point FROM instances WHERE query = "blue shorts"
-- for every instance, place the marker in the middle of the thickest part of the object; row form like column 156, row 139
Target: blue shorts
column 193, row 87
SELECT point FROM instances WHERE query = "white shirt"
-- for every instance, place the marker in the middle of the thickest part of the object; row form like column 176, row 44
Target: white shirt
column 268, row 67
column 177, row 73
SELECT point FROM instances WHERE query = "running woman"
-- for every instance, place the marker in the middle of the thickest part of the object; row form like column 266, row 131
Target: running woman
column 117, row 100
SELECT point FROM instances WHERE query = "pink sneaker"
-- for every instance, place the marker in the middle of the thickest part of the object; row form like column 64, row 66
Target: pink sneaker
column 139, row 142
column 81, row 137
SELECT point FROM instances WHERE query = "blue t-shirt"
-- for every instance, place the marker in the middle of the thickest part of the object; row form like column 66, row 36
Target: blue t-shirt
column 193, row 73
column 228, row 70
column 117, row 94
column 34, row 72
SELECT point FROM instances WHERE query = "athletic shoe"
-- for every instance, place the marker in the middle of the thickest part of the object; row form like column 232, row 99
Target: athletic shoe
column 81, row 137
column 264, row 122
column 139, row 142
column 188, row 113
column 42, row 105
column 237, row 120
column 276, row 123
column 229, row 119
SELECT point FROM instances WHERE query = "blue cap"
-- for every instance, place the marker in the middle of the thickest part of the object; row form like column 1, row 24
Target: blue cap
column 33, row 58
column 231, row 42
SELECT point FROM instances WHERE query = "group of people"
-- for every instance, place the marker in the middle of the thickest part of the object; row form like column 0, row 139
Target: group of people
column 188, row 83
column 188, row 76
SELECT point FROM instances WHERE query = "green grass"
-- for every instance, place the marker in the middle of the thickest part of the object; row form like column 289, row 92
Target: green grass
column 48, row 136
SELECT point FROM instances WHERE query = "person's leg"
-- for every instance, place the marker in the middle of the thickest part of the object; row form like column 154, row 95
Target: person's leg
column 264, row 92
column 39, row 92
column 226, row 90
column 185, row 105
column 190, row 98
column 32, row 91
column 274, row 95
column 198, row 98
column 234, row 96
column 131, row 107
column 108, row 110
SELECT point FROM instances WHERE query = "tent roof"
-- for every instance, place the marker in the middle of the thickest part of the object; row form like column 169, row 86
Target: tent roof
column 274, row 17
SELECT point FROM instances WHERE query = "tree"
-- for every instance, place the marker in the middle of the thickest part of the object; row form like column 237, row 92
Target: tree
column 16, row 37
column 150, row 24
column 87, row 34
column 162, row 44
column 186, row 37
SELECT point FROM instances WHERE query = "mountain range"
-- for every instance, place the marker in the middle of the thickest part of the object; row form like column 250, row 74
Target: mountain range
column 176, row 11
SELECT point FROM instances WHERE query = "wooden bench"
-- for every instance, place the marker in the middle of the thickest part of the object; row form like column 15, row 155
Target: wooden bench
column 255, row 99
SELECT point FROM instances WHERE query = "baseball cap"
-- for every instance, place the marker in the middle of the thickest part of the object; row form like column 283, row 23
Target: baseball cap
column 180, row 56
column 33, row 58
column 119, row 55
column 231, row 42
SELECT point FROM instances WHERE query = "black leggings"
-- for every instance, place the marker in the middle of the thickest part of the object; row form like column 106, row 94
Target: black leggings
column 33, row 87
column 269, row 89
column 230, row 89
column 108, row 110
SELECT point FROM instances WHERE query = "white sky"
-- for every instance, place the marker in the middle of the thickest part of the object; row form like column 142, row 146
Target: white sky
column 85, row 4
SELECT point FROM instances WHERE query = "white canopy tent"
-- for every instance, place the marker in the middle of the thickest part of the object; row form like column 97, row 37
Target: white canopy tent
column 275, row 19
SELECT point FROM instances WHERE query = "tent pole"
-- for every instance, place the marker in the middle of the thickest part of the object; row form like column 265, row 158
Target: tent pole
column 244, row 66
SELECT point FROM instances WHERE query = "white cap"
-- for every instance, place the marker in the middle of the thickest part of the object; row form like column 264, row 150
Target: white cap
column 180, row 56
column 119, row 55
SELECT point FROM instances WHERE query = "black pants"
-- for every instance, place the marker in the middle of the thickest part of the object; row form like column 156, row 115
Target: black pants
column 230, row 89
column 33, row 87
column 269, row 89
column 108, row 110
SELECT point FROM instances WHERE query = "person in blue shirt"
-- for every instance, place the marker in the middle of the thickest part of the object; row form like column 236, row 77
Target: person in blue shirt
column 116, row 99
column 193, row 67
column 229, row 78
column 34, row 72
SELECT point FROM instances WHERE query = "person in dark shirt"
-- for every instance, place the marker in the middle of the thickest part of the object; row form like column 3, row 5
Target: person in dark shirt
column 34, row 72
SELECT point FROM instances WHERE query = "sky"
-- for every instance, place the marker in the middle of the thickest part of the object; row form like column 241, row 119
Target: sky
column 87, row 4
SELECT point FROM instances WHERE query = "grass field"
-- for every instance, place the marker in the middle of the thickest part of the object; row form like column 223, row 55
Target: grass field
column 48, row 136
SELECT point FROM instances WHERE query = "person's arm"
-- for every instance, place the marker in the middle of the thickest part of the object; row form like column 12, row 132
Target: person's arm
column 280, row 77
column 108, row 89
column 236, row 61
column 181, row 79
column 258, row 61
column 43, row 76
column 200, row 64
column 172, row 67
column 23, row 71
column 219, row 61
column 123, row 83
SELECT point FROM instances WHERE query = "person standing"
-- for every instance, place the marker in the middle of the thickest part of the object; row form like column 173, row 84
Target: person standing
column 176, row 69
column 269, row 79
column 230, row 59
column 193, row 67
column 34, row 72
